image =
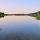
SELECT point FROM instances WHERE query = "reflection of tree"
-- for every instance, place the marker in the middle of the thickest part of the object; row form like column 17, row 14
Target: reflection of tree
column 1, row 17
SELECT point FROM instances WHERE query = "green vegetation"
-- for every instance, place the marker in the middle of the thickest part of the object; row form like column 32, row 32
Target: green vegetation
column 1, row 14
column 38, row 15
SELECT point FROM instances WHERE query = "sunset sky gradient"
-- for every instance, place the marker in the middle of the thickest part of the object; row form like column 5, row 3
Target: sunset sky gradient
column 19, row 6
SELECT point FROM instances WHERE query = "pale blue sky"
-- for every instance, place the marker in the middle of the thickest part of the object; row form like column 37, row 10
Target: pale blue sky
column 19, row 6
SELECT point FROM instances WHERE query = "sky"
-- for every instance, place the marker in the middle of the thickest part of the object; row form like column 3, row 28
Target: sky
column 19, row 6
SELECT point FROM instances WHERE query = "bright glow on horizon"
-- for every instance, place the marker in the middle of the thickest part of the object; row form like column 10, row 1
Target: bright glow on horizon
column 19, row 6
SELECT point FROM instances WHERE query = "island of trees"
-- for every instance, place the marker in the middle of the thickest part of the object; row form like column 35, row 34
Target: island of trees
column 36, row 14
column 1, row 14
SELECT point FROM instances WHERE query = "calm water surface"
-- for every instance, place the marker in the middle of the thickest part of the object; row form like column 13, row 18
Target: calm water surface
column 19, row 28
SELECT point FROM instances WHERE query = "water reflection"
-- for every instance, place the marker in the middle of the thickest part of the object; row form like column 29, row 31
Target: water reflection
column 2, row 17
column 19, row 28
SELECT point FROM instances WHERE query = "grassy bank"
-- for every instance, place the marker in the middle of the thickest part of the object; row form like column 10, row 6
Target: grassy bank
column 38, row 15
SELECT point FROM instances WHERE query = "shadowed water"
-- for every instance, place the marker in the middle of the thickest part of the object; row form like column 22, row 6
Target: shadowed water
column 19, row 28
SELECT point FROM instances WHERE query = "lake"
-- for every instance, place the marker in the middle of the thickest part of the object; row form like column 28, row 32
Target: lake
column 19, row 28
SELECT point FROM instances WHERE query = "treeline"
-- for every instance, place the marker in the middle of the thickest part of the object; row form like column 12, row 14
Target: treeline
column 36, row 14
